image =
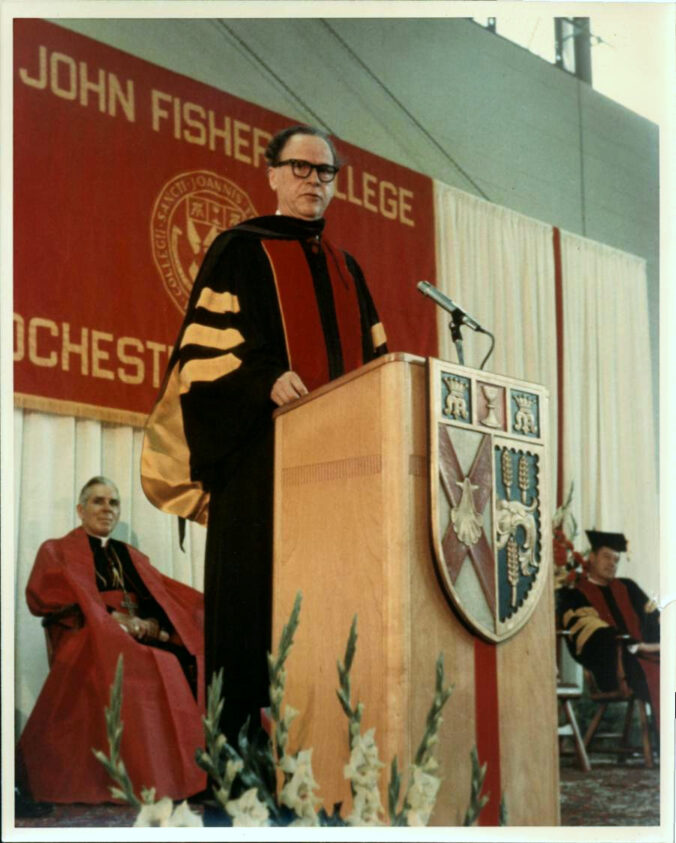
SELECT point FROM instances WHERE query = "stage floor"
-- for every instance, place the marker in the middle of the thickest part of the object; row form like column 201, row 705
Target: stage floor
column 612, row 794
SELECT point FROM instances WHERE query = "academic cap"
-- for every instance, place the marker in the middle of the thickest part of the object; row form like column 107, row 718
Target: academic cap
column 615, row 541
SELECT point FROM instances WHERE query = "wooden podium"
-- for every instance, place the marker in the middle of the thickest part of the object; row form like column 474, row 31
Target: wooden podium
column 352, row 532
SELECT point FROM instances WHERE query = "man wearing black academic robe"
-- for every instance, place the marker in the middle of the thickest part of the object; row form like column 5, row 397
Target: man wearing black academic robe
column 273, row 295
column 276, row 311
column 596, row 615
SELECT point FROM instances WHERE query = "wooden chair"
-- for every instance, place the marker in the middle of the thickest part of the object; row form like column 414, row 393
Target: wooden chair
column 623, row 695
column 566, row 692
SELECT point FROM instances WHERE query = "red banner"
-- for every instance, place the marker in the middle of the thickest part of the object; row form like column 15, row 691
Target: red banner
column 124, row 171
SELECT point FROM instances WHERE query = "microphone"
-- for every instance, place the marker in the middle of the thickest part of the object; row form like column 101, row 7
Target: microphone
column 449, row 305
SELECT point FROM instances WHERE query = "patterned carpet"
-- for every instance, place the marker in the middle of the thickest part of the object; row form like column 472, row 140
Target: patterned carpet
column 611, row 795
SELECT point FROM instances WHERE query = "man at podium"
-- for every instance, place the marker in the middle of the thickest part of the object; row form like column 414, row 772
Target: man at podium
column 276, row 311
column 614, row 626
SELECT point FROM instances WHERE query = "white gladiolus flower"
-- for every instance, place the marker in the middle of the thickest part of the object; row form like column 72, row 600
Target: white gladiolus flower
column 155, row 814
column 290, row 714
column 297, row 793
column 363, row 771
column 183, row 817
column 309, row 820
column 421, row 797
column 364, row 767
column 248, row 810
column 163, row 815
column 366, row 807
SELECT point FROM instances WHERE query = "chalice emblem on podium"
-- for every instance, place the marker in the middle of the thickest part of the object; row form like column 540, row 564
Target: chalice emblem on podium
column 491, row 395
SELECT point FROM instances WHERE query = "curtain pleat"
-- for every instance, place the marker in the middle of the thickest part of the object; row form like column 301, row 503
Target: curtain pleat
column 610, row 441
column 499, row 266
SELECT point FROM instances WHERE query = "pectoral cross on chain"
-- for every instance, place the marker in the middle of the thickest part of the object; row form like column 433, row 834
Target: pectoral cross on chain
column 127, row 601
column 129, row 604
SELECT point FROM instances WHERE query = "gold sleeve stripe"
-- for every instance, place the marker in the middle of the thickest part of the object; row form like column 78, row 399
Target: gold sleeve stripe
column 590, row 627
column 207, row 370
column 584, row 629
column 579, row 613
column 218, row 302
column 223, row 339
column 650, row 606
column 378, row 336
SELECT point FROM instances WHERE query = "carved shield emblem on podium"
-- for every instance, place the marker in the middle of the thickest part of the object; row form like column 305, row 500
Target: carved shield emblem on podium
column 489, row 508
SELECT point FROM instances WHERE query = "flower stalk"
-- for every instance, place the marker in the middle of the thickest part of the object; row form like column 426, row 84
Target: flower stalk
column 277, row 675
column 216, row 760
column 424, row 782
column 113, row 762
column 344, row 691
column 363, row 768
column 476, row 799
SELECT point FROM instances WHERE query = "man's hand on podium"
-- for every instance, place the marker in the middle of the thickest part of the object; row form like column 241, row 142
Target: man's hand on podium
column 287, row 388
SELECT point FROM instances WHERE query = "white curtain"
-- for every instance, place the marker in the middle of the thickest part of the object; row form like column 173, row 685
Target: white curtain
column 54, row 456
column 609, row 436
column 499, row 266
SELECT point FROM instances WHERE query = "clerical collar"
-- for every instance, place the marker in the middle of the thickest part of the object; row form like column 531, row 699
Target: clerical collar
column 100, row 541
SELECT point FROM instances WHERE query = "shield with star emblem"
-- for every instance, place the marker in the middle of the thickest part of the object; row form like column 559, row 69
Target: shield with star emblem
column 489, row 509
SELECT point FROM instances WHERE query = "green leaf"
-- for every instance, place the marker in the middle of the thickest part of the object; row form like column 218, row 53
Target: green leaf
column 393, row 792
column 476, row 802
column 112, row 763
column 504, row 818
column 433, row 719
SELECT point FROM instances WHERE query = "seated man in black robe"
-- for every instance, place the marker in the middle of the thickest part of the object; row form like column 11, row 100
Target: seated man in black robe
column 602, row 610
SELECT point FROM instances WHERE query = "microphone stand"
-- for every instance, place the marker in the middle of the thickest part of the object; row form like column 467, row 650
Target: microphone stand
column 455, row 324
column 458, row 318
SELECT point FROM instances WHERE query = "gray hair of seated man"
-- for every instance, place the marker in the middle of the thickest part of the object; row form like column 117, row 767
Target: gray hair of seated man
column 99, row 480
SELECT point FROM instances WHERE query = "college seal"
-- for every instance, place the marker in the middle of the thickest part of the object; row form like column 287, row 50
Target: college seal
column 489, row 510
column 190, row 210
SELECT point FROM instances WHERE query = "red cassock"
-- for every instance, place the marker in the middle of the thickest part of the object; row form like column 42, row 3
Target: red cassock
column 162, row 719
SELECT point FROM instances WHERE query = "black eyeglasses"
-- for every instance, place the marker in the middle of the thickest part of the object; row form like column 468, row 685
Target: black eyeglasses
column 301, row 169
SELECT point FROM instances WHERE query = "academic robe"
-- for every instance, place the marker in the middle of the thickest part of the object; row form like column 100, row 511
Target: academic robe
column 273, row 294
column 595, row 615
column 161, row 717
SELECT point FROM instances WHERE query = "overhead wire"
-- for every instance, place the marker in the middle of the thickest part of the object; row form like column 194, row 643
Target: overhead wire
column 406, row 111
column 321, row 122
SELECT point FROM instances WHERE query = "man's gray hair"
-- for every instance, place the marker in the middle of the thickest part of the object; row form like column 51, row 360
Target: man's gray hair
column 99, row 480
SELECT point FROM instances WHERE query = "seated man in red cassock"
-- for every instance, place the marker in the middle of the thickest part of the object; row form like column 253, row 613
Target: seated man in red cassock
column 100, row 598
column 602, row 609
